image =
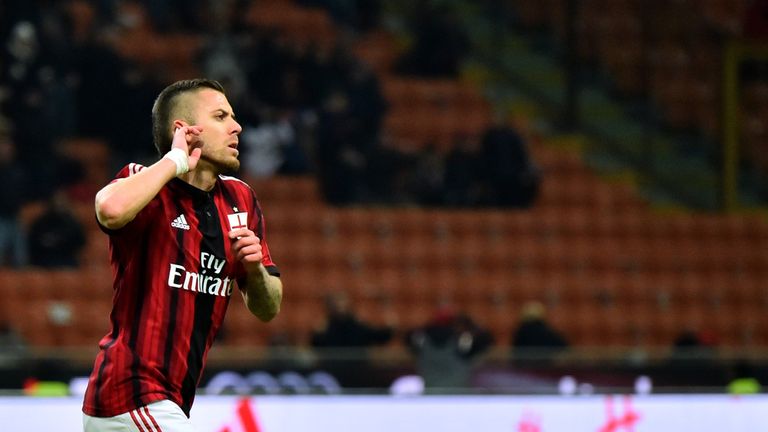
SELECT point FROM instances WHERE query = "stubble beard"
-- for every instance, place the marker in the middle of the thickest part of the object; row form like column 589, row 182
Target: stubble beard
column 223, row 166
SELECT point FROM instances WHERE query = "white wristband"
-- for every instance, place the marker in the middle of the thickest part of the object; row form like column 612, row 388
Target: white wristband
column 180, row 158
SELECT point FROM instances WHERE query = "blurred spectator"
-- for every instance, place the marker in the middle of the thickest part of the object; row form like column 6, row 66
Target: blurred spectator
column 355, row 15
column 297, row 159
column 13, row 11
column 390, row 172
column 534, row 338
column 444, row 349
column 12, row 344
column 265, row 147
column 270, row 60
column 694, row 348
column 101, row 80
column 73, row 179
column 39, row 96
column 221, row 57
column 461, row 184
column 365, row 100
column 368, row 15
column 178, row 15
column 428, row 176
column 440, row 42
column 512, row 176
column 221, row 60
column 13, row 193
column 341, row 159
column 317, row 78
column 343, row 329
column 56, row 237
column 138, row 90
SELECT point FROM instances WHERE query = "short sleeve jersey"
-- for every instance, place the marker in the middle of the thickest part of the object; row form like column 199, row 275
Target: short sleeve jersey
column 173, row 277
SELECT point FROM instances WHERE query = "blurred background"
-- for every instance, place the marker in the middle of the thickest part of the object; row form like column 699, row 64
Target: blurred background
column 493, row 197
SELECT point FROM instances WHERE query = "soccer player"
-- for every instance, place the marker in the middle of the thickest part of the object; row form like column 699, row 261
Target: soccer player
column 181, row 233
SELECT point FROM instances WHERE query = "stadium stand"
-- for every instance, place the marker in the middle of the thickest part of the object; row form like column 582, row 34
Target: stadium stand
column 612, row 270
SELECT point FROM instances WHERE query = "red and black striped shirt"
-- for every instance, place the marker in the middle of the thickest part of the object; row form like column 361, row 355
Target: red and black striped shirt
column 173, row 275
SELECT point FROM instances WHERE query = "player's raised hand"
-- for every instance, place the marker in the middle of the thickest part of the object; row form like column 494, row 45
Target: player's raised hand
column 187, row 138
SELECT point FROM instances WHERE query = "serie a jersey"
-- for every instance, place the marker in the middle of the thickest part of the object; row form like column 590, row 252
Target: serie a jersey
column 174, row 273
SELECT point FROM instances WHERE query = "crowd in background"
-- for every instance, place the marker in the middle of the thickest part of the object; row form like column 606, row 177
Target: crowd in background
column 305, row 108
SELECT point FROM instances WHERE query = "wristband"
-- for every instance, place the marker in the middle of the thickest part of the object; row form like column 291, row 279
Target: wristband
column 180, row 158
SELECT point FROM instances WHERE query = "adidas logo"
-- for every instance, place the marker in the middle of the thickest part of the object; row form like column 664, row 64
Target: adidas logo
column 180, row 223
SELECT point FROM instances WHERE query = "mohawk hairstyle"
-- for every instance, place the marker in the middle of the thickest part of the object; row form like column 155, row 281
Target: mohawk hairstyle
column 166, row 103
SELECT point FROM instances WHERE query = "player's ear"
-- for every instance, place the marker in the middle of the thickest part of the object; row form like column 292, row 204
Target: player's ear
column 179, row 123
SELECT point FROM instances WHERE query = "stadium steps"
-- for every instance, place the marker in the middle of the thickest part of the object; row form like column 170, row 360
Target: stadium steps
column 611, row 269
column 621, row 141
column 592, row 251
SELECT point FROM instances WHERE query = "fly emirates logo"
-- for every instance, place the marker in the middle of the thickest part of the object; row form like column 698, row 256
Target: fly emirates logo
column 208, row 281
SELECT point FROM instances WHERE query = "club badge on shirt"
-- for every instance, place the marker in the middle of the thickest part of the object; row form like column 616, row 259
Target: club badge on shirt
column 238, row 220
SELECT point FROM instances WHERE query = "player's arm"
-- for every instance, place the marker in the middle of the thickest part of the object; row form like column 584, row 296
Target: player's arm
column 120, row 201
column 262, row 292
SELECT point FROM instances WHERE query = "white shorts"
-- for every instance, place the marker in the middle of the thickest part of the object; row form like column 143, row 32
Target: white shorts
column 161, row 416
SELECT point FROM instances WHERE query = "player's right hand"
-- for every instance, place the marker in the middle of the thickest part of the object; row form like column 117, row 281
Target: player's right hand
column 187, row 138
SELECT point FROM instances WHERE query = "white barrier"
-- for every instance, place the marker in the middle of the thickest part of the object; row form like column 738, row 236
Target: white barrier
column 657, row 413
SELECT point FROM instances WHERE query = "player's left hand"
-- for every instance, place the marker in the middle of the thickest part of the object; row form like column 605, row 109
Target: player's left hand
column 246, row 245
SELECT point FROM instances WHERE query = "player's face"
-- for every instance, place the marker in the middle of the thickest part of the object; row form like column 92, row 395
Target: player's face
column 220, row 130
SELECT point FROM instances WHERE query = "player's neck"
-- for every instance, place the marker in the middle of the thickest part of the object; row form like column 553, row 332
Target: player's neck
column 203, row 179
